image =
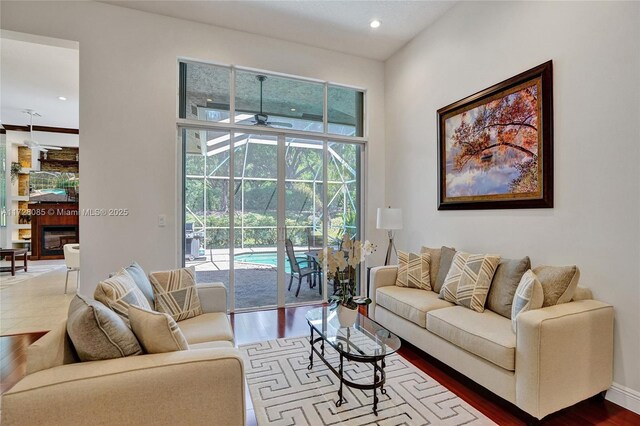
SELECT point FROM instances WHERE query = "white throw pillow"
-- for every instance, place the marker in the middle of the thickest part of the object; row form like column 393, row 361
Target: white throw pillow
column 529, row 295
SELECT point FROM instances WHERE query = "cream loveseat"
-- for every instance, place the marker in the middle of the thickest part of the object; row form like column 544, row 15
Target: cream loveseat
column 561, row 354
column 202, row 385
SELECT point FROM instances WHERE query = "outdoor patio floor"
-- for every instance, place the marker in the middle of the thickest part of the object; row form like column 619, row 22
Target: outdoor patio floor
column 257, row 287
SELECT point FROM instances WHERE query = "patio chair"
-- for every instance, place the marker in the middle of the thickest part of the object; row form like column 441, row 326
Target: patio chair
column 296, row 269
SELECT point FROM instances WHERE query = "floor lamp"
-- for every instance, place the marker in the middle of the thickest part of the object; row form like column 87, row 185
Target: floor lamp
column 391, row 220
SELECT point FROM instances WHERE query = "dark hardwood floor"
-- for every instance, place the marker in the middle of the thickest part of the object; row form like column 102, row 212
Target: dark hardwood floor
column 13, row 358
column 290, row 322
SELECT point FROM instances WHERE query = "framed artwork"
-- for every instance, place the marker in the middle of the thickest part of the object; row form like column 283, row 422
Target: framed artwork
column 495, row 148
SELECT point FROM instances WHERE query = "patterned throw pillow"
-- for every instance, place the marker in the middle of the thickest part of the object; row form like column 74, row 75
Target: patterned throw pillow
column 469, row 278
column 528, row 296
column 558, row 283
column 413, row 270
column 176, row 294
column 156, row 331
column 119, row 292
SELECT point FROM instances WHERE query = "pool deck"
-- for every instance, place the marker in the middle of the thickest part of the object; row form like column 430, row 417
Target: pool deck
column 255, row 283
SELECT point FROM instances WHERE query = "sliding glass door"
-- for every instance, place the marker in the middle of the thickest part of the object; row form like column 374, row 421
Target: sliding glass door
column 303, row 209
column 255, row 222
column 207, row 204
column 258, row 207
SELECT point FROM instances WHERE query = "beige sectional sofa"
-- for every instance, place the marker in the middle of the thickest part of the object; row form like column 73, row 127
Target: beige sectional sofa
column 561, row 354
column 202, row 385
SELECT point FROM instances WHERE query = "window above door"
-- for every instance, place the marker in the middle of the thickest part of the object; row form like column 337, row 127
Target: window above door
column 232, row 95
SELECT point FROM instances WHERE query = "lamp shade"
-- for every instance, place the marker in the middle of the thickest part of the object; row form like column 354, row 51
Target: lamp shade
column 389, row 218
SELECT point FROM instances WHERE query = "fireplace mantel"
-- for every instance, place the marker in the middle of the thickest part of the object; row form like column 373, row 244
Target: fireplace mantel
column 54, row 215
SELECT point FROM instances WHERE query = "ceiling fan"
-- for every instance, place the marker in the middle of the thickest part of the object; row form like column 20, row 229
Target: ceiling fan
column 32, row 143
column 262, row 119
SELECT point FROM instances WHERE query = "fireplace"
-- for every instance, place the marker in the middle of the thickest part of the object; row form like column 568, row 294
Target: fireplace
column 54, row 237
column 57, row 225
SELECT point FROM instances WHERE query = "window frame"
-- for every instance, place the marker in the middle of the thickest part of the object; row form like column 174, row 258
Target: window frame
column 232, row 125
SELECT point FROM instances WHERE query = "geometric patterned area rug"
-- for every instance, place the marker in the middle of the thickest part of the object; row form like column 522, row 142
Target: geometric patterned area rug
column 285, row 392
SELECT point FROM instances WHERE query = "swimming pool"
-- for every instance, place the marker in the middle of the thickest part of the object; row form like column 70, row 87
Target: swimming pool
column 56, row 191
column 270, row 259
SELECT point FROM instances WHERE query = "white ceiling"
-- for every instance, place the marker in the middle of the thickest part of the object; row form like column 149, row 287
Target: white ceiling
column 336, row 25
column 34, row 71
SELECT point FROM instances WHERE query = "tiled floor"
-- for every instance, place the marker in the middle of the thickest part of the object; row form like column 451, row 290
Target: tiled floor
column 36, row 303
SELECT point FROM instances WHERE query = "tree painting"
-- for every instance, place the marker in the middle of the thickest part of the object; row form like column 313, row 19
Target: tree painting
column 492, row 148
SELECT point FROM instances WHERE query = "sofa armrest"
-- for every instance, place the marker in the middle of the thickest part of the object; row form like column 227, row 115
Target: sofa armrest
column 51, row 350
column 564, row 354
column 201, row 386
column 213, row 297
column 380, row 276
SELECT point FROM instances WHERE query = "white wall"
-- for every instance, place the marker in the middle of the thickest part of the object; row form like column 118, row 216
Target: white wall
column 595, row 48
column 128, row 107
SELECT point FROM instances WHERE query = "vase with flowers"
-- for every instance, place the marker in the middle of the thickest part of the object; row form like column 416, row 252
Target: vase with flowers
column 341, row 267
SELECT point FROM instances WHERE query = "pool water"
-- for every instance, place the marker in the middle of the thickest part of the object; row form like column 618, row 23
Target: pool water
column 270, row 259
column 56, row 191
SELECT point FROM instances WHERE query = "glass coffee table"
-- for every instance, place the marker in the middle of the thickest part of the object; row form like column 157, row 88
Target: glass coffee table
column 366, row 342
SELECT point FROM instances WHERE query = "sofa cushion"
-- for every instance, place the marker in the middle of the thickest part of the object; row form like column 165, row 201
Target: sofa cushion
column 504, row 285
column 487, row 334
column 157, row 332
column 99, row 333
column 411, row 304
column 212, row 345
column 119, row 292
column 142, row 281
column 413, row 270
column 558, row 283
column 446, row 257
column 175, row 293
column 529, row 296
column 206, row 328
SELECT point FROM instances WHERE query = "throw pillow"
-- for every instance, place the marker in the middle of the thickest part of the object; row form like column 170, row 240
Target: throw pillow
column 504, row 285
column 98, row 333
column 176, row 294
column 469, row 279
column 119, row 292
column 156, row 331
column 446, row 257
column 529, row 296
column 141, row 280
column 434, row 265
column 413, row 270
column 558, row 283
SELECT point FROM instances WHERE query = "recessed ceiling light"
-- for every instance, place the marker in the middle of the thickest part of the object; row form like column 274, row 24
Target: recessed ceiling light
column 374, row 24
column 62, row 98
column 209, row 100
column 293, row 109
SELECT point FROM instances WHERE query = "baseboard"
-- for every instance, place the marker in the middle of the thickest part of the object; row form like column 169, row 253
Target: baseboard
column 624, row 397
